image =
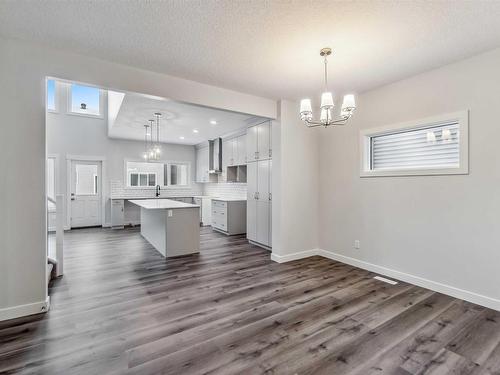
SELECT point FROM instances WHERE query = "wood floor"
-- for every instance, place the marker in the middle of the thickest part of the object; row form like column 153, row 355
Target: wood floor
column 123, row 309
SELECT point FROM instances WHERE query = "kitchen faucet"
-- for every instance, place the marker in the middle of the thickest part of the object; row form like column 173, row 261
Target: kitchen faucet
column 158, row 190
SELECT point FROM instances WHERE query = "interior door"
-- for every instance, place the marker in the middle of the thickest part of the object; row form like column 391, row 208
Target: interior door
column 85, row 194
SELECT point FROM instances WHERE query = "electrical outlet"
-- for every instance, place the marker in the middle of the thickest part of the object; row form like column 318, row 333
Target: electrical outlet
column 357, row 245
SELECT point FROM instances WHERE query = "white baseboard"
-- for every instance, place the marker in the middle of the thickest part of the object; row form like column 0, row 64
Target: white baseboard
column 294, row 256
column 452, row 291
column 25, row 310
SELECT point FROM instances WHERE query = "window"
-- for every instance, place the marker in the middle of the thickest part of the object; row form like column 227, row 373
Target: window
column 177, row 174
column 84, row 100
column 51, row 95
column 86, row 179
column 437, row 145
column 150, row 174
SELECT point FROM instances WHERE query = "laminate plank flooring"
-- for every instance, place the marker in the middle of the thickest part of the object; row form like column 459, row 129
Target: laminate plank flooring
column 123, row 309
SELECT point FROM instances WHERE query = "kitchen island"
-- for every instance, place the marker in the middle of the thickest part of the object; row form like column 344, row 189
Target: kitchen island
column 172, row 227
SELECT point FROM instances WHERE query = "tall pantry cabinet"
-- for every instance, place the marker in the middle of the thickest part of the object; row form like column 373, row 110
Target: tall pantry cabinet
column 259, row 172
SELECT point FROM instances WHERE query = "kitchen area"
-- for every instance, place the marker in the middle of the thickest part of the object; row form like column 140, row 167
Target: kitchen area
column 169, row 167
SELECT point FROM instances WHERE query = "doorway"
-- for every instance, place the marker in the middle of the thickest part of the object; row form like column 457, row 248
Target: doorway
column 86, row 194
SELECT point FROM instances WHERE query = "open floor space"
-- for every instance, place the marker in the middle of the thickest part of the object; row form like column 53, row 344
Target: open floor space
column 123, row 308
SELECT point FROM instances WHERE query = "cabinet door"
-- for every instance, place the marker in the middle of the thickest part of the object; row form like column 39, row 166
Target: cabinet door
column 241, row 146
column 251, row 140
column 252, row 186
column 263, row 131
column 263, row 222
column 263, row 176
column 227, row 153
column 234, row 159
column 252, row 220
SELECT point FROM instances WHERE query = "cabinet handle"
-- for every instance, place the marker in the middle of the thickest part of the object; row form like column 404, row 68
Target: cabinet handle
column 270, row 153
column 270, row 196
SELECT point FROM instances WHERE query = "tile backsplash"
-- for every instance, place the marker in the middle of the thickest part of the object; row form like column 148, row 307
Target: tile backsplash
column 117, row 190
column 226, row 190
column 222, row 190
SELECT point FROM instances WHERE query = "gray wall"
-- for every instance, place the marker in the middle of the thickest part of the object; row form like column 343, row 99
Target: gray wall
column 442, row 230
column 69, row 134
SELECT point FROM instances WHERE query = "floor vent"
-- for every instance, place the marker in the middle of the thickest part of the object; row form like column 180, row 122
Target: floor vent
column 388, row 281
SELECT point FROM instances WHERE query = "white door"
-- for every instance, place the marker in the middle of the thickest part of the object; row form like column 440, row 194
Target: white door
column 252, row 201
column 242, row 153
column 263, row 207
column 263, row 140
column 85, row 194
column 251, row 139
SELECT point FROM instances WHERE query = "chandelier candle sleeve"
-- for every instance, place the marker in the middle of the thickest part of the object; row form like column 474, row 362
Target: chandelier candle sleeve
column 327, row 100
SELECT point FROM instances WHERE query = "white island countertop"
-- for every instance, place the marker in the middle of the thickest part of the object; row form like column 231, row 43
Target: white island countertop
column 161, row 204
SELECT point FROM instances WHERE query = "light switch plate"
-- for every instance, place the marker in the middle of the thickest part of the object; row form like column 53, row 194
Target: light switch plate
column 357, row 244
column 170, row 213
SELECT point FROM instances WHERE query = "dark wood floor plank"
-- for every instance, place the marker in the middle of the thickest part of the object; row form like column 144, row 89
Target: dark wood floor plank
column 122, row 308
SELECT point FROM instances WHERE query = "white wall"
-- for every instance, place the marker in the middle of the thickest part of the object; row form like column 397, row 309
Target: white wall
column 69, row 134
column 295, row 184
column 442, row 229
column 23, row 68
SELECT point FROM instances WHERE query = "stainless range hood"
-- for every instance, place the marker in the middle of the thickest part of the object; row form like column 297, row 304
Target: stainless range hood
column 215, row 156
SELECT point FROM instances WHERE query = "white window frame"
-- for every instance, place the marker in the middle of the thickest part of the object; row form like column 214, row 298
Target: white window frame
column 168, row 162
column 462, row 117
column 69, row 94
column 56, row 95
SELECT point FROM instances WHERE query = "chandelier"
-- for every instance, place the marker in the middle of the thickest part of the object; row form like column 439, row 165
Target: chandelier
column 152, row 147
column 326, row 107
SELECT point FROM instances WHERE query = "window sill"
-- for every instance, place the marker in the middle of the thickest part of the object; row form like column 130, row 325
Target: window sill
column 99, row 116
column 415, row 172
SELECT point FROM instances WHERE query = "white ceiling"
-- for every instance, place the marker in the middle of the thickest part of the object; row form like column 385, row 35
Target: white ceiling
column 264, row 47
column 178, row 120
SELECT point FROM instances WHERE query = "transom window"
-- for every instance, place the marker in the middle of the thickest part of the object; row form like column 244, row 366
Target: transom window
column 429, row 146
column 51, row 95
column 84, row 100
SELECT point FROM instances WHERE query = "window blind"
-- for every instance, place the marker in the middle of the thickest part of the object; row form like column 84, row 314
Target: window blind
column 431, row 147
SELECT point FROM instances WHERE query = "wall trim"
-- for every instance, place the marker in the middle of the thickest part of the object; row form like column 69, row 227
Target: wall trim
column 25, row 310
column 294, row 256
column 449, row 290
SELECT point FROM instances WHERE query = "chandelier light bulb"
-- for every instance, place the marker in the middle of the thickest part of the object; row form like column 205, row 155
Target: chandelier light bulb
column 349, row 102
column 327, row 100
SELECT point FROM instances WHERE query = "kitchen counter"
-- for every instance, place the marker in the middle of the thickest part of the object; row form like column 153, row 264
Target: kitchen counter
column 230, row 199
column 158, row 204
column 172, row 227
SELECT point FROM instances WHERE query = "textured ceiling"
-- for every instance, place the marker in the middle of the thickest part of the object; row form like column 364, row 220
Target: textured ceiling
column 269, row 48
column 178, row 120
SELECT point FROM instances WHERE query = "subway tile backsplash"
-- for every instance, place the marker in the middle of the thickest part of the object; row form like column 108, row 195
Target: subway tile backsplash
column 226, row 190
column 221, row 190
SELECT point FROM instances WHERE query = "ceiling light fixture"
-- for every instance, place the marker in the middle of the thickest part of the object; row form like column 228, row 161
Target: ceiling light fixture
column 152, row 145
column 195, row 131
column 181, row 137
column 213, row 122
column 327, row 104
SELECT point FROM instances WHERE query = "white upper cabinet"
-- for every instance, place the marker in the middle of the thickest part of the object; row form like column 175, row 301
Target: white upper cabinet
column 233, row 152
column 259, row 142
column 251, row 148
column 241, row 146
column 263, row 179
column 202, row 162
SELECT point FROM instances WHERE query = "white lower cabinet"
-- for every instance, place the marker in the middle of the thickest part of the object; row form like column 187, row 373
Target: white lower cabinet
column 117, row 213
column 229, row 216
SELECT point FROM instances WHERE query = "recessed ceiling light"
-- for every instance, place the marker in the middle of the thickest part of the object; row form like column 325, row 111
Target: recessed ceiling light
column 195, row 130
column 213, row 122
column 181, row 137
